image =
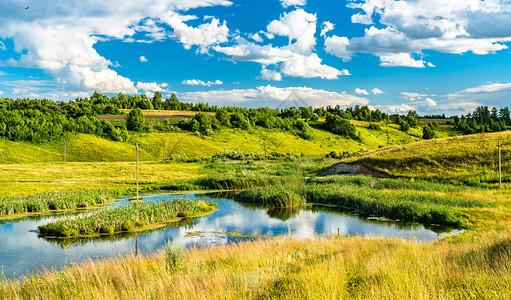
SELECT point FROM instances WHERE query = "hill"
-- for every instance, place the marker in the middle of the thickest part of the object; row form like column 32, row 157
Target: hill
column 470, row 159
column 91, row 148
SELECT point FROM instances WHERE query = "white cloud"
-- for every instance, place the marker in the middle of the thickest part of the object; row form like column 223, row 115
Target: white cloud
column 456, row 26
column 1, row 92
column 2, row 46
column 270, row 75
column 59, row 37
column 431, row 103
column 488, row 88
column 201, row 82
column 296, row 59
column 203, row 36
column 377, row 91
column 413, row 96
column 431, row 65
column 273, row 96
column 143, row 59
column 2, row 73
column 326, row 27
column 309, row 67
column 297, row 25
column 361, row 92
column 152, row 86
column 256, row 37
column 288, row 3
column 400, row 60
column 395, row 108
column 338, row 46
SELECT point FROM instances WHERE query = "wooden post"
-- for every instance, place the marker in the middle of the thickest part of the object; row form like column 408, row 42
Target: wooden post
column 136, row 246
column 65, row 150
column 500, row 169
column 164, row 151
column 136, row 146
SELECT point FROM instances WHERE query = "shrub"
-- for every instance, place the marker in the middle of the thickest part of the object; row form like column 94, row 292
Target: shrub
column 173, row 255
column 135, row 120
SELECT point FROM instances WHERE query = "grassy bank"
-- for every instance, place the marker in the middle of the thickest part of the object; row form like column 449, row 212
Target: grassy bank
column 272, row 196
column 135, row 216
column 358, row 268
column 50, row 201
column 470, row 160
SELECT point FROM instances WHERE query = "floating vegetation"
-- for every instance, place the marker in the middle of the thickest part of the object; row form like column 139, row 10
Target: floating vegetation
column 133, row 217
column 28, row 204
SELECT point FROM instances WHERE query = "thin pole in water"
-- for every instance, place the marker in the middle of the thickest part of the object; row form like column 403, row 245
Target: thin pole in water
column 136, row 146
column 164, row 151
column 136, row 246
column 500, row 169
column 65, row 150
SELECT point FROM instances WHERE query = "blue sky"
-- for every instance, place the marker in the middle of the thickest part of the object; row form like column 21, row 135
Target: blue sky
column 433, row 56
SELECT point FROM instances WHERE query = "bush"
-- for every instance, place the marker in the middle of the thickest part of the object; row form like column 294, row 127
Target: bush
column 135, row 120
column 174, row 255
column 374, row 126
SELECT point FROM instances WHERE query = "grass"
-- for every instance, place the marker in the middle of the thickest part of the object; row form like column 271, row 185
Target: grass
column 91, row 148
column 136, row 216
column 345, row 268
column 49, row 201
column 271, row 196
column 469, row 160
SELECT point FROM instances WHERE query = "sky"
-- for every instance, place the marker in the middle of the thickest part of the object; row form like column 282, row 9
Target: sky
column 432, row 56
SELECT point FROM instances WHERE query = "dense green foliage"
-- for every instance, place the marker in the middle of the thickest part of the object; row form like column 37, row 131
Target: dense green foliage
column 124, row 219
column 135, row 120
column 53, row 201
column 483, row 120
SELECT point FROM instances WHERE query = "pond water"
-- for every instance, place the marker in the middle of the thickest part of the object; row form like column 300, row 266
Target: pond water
column 22, row 250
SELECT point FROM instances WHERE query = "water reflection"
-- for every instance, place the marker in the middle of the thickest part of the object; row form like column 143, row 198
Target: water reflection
column 22, row 250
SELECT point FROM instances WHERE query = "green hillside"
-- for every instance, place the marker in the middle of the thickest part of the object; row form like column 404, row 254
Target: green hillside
column 90, row 148
column 469, row 159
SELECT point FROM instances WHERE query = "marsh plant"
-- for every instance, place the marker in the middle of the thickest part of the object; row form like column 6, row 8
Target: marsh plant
column 173, row 255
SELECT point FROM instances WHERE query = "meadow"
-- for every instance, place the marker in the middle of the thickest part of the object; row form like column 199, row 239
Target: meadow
column 450, row 181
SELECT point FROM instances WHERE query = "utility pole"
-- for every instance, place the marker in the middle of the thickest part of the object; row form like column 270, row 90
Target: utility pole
column 65, row 150
column 500, row 169
column 136, row 147
column 164, row 151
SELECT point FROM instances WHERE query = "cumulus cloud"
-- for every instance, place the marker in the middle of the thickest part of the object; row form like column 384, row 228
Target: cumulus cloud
column 59, row 37
column 361, row 92
column 274, row 96
column 270, row 75
column 152, row 86
column 431, row 103
column 297, row 25
column 295, row 59
column 203, row 36
column 288, row 3
column 256, row 37
column 401, row 28
column 395, row 108
column 377, row 91
column 326, row 27
column 143, row 59
column 201, row 82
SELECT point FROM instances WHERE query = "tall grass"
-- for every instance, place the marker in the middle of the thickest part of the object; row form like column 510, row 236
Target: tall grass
column 125, row 218
column 22, row 204
column 346, row 268
column 271, row 196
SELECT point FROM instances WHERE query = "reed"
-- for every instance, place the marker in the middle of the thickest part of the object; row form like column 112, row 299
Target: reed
column 128, row 218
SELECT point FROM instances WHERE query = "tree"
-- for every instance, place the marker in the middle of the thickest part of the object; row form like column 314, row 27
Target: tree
column 157, row 104
column 428, row 132
column 135, row 120
column 405, row 126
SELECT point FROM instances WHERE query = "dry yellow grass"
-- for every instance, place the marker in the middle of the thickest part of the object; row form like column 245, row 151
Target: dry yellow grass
column 355, row 268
